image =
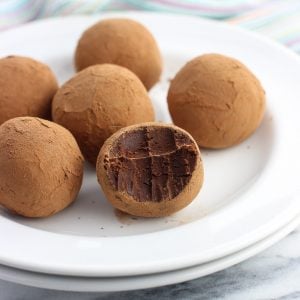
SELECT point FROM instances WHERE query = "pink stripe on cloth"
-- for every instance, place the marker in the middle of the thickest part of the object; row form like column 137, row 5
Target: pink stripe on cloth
column 250, row 16
column 204, row 8
column 293, row 42
column 72, row 8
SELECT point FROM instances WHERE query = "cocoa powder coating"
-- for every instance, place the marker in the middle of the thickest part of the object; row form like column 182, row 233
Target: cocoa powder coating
column 41, row 167
column 150, row 169
column 122, row 42
column 217, row 100
column 97, row 102
column 26, row 88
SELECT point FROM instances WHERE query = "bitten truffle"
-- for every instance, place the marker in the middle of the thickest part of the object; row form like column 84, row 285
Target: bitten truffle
column 217, row 100
column 41, row 167
column 97, row 102
column 26, row 88
column 122, row 42
column 150, row 169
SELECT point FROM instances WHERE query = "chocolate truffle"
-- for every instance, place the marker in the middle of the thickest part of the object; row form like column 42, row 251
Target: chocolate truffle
column 150, row 169
column 97, row 102
column 26, row 88
column 122, row 42
column 217, row 100
column 41, row 167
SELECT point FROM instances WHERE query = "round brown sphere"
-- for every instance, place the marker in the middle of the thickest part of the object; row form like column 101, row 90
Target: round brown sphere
column 97, row 102
column 217, row 100
column 26, row 88
column 150, row 169
column 41, row 167
column 122, row 42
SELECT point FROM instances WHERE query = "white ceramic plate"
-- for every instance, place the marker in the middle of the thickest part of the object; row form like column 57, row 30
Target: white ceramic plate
column 250, row 190
column 114, row 284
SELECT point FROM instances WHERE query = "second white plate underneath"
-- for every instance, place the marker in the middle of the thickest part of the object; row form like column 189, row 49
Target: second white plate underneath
column 94, row 284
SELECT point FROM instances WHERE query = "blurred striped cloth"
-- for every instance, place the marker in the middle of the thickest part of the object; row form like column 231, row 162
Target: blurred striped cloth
column 278, row 19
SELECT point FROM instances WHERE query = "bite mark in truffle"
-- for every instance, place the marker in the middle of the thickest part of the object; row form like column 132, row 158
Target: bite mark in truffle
column 151, row 165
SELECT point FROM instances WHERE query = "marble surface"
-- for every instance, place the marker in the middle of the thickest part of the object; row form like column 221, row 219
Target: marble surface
column 273, row 274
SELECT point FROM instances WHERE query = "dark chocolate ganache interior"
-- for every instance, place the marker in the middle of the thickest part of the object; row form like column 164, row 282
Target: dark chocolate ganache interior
column 151, row 163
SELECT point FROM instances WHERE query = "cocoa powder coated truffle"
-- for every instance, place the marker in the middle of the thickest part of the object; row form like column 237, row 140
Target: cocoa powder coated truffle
column 26, row 88
column 41, row 167
column 217, row 100
column 122, row 42
column 150, row 169
column 97, row 102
